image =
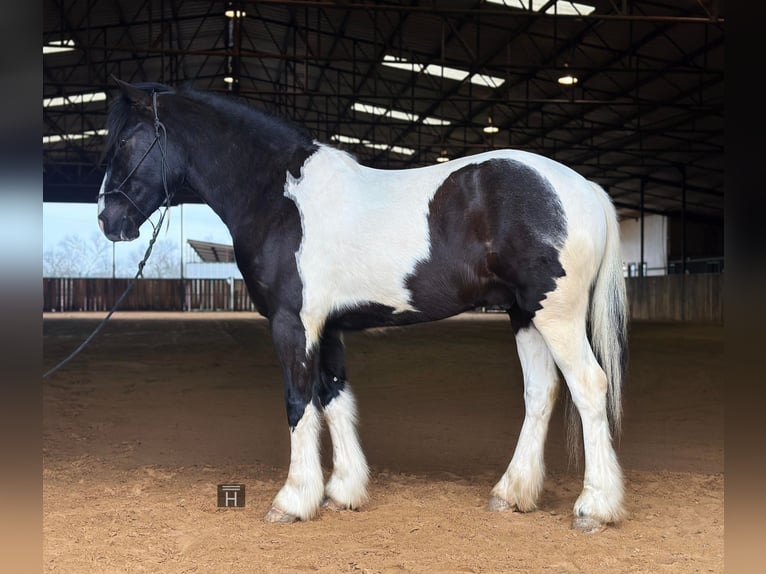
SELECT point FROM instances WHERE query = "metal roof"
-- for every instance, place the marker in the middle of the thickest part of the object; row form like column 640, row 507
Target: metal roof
column 645, row 119
column 211, row 252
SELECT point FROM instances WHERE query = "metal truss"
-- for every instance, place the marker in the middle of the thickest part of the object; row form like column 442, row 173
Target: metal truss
column 645, row 118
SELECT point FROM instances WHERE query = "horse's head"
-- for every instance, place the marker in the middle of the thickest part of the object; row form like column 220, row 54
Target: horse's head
column 139, row 172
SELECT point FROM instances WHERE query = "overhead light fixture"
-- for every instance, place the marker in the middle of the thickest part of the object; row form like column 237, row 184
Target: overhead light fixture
column 228, row 79
column 234, row 12
column 58, row 46
column 490, row 128
column 567, row 79
column 442, row 157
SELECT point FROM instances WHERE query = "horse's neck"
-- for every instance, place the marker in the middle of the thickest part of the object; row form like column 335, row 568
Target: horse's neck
column 241, row 190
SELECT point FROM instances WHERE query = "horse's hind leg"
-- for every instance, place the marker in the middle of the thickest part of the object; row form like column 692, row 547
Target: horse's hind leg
column 601, row 500
column 520, row 486
column 347, row 487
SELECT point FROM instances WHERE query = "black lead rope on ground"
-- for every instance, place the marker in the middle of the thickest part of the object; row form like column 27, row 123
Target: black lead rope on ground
column 117, row 303
column 158, row 127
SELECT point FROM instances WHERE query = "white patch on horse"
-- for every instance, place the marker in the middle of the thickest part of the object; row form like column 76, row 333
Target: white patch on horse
column 101, row 196
column 364, row 231
column 347, row 486
column 302, row 492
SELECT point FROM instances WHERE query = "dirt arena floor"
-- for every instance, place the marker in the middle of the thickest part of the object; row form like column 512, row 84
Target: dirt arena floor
column 142, row 426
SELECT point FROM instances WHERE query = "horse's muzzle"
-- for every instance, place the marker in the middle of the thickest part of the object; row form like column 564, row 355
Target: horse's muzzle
column 123, row 229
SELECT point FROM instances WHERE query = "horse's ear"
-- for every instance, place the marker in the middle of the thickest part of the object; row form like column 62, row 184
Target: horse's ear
column 137, row 96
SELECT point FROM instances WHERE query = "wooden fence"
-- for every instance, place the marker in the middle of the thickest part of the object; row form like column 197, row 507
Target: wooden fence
column 696, row 297
column 78, row 294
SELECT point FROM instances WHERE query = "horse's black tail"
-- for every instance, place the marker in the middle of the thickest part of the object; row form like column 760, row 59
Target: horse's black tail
column 607, row 326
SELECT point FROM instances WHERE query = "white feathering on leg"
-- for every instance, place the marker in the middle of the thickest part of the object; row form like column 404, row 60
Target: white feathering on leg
column 302, row 493
column 347, row 486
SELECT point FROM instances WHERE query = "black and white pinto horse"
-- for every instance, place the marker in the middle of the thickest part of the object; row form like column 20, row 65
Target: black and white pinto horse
column 326, row 245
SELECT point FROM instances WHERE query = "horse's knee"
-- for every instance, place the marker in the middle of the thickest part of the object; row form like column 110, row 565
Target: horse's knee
column 332, row 370
column 329, row 387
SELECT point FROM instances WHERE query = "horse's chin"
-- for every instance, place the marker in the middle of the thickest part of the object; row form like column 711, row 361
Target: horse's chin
column 120, row 237
column 128, row 236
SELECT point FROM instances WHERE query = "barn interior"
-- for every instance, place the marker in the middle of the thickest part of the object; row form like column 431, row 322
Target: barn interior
column 629, row 94
column 140, row 428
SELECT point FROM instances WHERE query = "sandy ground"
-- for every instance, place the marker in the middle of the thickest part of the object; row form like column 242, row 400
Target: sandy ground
column 142, row 426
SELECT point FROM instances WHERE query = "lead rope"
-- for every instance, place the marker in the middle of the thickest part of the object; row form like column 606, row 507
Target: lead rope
column 159, row 134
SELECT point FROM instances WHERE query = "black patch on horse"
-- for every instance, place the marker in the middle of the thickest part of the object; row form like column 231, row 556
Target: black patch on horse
column 496, row 229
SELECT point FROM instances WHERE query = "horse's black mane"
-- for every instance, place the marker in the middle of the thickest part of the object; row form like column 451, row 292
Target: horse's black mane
column 260, row 121
column 246, row 113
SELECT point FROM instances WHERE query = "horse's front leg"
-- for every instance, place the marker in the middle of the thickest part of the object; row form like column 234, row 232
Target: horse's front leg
column 301, row 495
column 347, row 487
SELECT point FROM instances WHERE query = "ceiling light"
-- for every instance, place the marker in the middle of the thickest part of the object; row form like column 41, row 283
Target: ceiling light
column 567, row 80
column 58, row 46
column 442, row 157
column 228, row 79
column 490, row 128
column 233, row 11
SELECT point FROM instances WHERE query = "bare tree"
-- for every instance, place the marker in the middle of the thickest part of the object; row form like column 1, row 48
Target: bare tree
column 163, row 263
column 76, row 257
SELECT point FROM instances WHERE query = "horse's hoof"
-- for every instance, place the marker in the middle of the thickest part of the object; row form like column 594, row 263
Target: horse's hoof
column 331, row 504
column 587, row 525
column 497, row 504
column 277, row 516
